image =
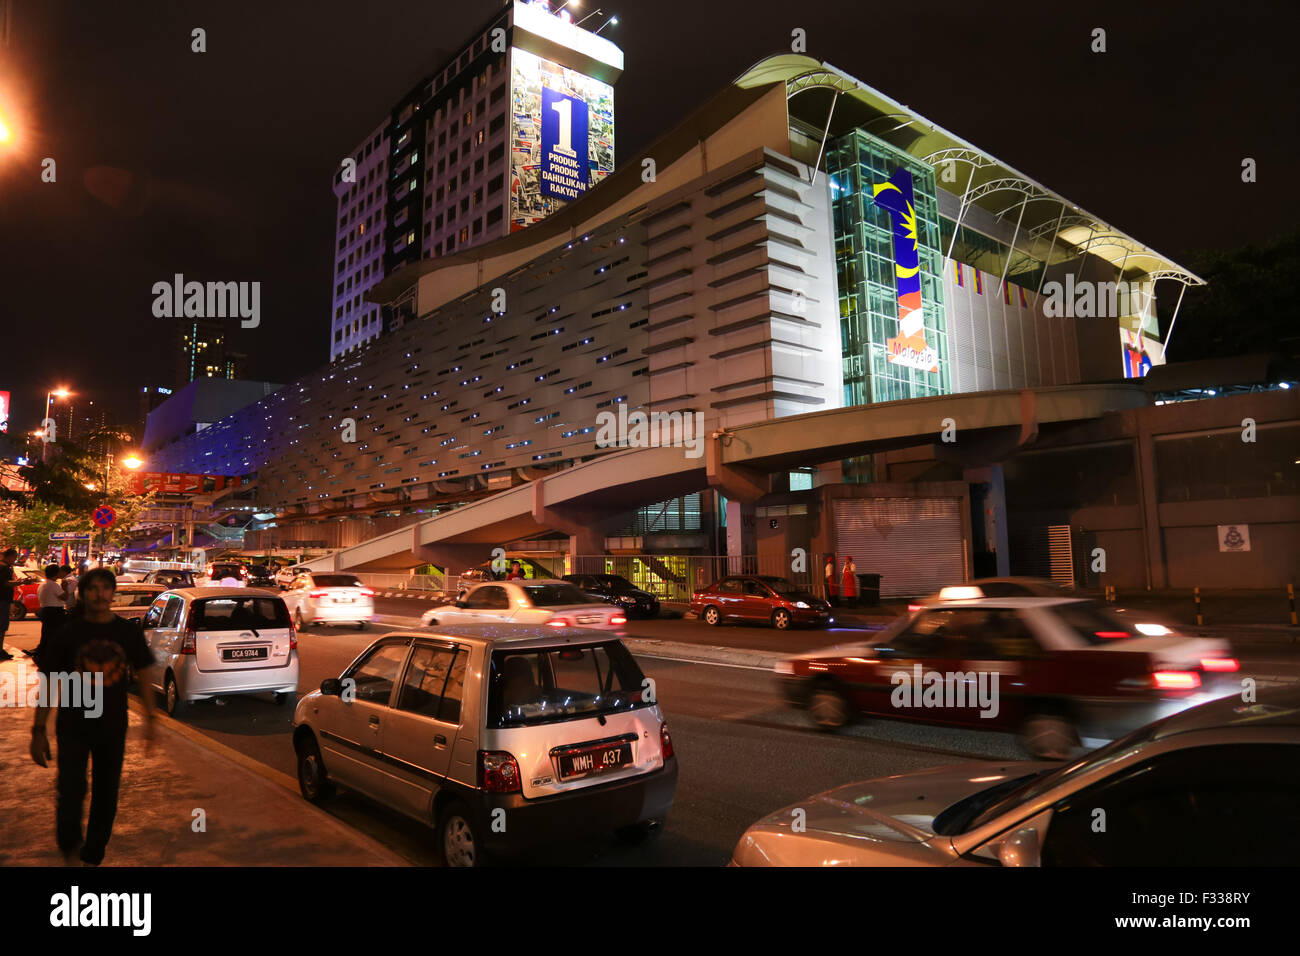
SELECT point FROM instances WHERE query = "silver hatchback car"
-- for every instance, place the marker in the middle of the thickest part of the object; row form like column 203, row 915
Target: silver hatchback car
column 1215, row 785
column 501, row 737
column 217, row 642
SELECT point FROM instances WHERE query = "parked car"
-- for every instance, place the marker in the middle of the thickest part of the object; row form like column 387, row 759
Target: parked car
column 617, row 589
column 217, row 642
column 171, row 578
column 1053, row 670
column 551, row 729
column 132, row 601
column 319, row 598
column 1216, row 785
column 538, row 601
column 26, row 581
column 760, row 599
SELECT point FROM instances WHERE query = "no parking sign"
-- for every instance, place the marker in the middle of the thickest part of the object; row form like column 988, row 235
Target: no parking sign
column 104, row 516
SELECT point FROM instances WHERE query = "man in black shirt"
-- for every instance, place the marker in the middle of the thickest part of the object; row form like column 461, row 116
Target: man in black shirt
column 96, row 648
column 6, row 597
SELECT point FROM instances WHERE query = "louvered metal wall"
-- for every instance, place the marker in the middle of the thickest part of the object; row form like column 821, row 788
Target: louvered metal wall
column 914, row 544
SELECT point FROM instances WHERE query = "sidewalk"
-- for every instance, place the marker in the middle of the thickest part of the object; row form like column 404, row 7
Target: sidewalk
column 252, row 817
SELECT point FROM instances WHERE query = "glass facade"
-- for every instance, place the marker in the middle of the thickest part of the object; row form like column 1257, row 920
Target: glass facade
column 864, row 253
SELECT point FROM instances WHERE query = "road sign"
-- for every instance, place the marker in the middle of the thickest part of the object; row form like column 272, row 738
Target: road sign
column 69, row 536
column 104, row 516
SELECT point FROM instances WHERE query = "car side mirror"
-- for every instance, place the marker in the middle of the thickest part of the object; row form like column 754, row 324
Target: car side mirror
column 1020, row 848
column 331, row 687
column 461, row 602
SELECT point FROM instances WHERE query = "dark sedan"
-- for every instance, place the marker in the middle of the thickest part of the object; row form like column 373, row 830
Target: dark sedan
column 617, row 589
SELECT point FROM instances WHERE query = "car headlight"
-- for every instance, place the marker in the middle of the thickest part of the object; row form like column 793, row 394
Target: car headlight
column 802, row 605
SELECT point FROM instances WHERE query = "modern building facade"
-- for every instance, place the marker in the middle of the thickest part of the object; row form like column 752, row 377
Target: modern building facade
column 805, row 244
column 460, row 159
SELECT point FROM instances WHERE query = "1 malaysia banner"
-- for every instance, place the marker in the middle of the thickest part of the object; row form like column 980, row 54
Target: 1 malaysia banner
column 565, row 169
column 909, row 347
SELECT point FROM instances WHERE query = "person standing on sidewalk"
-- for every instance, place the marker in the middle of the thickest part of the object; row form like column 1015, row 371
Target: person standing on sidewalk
column 830, row 580
column 6, row 596
column 53, row 611
column 99, row 644
column 69, row 579
column 850, row 582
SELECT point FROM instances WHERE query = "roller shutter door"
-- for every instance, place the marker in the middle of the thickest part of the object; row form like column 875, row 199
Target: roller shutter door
column 914, row 544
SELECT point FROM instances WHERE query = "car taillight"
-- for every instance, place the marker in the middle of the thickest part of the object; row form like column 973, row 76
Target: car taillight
column 558, row 622
column 293, row 635
column 191, row 643
column 1176, row 680
column 1219, row 664
column 618, row 619
column 317, row 594
column 1111, row 635
column 914, row 607
column 368, row 592
column 665, row 741
column 498, row 772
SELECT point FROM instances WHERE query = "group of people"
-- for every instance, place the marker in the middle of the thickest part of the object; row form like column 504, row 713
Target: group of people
column 841, row 589
column 56, row 595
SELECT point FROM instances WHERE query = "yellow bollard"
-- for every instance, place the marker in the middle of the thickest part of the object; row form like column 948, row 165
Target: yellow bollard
column 1290, row 596
column 1199, row 620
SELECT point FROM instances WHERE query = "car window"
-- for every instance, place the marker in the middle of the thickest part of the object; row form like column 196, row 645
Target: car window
column 540, row 686
column 780, row 585
column 944, row 635
column 1227, row 805
column 1093, row 623
column 554, row 595
column 731, row 585
column 336, row 581
column 239, row 614
column 434, row 682
column 490, row 597
column 173, row 612
column 377, row 673
column 756, row 589
column 155, row 613
column 1007, row 637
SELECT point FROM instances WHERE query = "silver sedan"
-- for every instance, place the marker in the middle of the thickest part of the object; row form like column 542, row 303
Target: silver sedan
column 1216, row 785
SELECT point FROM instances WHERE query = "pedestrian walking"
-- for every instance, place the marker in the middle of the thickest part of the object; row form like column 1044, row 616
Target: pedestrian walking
column 53, row 613
column 6, row 596
column 104, row 647
column 850, row 582
column 831, row 587
column 70, row 580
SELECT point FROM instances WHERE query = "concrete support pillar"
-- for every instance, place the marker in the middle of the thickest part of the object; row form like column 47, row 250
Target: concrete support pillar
column 1152, row 544
column 993, row 512
column 741, row 540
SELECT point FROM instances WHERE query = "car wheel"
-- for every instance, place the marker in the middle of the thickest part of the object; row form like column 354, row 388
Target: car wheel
column 781, row 619
column 829, row 709
column 282, row 698
column 313, row 781
column 17, row 611
column 1049, row 736
column 172, row 702
column 456, row 837
column 639, row 833
column 712, row 616
column 362, row 625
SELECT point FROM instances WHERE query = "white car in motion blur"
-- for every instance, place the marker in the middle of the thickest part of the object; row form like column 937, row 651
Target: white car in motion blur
column 535, row 601
column 319, row 598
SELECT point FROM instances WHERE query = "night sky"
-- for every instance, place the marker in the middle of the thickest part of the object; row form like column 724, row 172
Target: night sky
column 218, row 165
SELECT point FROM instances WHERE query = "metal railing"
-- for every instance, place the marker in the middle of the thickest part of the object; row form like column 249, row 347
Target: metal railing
column 404, row 582
column 674, row 577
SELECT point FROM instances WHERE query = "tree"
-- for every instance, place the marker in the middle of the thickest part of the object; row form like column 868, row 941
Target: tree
column 1248, row 304
column 31, row 526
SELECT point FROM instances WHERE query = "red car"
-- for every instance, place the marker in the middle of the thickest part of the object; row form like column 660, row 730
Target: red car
column 759, row 599
column 1049, row 669
column 25, row 584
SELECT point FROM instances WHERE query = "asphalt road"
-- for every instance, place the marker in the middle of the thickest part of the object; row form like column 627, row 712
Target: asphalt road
column 742, row 752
